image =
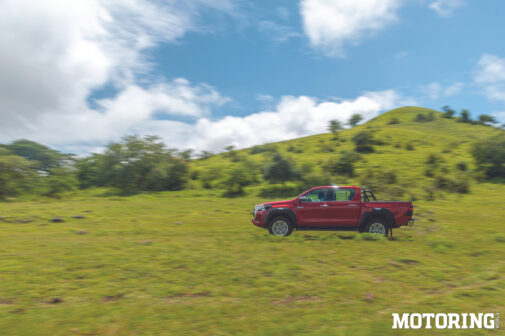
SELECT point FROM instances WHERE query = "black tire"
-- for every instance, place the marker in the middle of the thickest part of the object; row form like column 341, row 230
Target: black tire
column 378, row 226
column 277, row 226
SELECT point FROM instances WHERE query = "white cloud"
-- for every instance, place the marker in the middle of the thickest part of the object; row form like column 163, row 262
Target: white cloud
column 57, row 52
column 293, row 117
column 436, row 91
column 332, row 24
column 445, row 8
column 490, row 76
column 60, row 52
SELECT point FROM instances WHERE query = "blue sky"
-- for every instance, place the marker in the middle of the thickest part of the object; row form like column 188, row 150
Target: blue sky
column 203, row 74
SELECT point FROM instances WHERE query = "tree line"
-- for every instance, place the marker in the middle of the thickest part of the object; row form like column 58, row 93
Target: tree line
column 136, row 164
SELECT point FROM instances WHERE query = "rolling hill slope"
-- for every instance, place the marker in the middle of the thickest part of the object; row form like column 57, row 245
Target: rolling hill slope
column 406, row 146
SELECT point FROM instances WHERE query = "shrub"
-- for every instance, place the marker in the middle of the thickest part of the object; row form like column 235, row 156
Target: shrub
column 420, row 117
column 344, row 165
column 462, row 166
column 259, row 149
column 409, row 146
column 364, row 142
column 393, row 121
column 460, row 184
column 499, row 238
column 280, row 170
column 490, row 156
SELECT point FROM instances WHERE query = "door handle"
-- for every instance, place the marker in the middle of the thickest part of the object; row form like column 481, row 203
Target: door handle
column 324, row 205
column 352, row 205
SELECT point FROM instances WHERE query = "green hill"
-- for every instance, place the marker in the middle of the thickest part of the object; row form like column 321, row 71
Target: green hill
column 404, row 147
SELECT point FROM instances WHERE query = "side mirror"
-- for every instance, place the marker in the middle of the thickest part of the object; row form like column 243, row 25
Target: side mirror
column 303, row 199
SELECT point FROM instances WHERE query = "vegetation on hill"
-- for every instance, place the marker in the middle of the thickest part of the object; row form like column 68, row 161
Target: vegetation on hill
column 429, row 153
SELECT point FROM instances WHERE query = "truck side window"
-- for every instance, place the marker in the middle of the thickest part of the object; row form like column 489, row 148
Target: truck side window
column 318, row 195
column 342, row 194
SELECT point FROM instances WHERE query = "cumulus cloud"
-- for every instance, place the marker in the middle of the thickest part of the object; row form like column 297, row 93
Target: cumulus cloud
column 293, row 117
column 436, row 91
column 60, row 52
column 490, row 76
column 445, row 8
column 57, row 53
column 332, row 24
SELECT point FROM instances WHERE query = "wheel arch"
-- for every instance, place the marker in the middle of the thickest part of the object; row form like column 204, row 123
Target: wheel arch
column 377, row 213
column 276, row 212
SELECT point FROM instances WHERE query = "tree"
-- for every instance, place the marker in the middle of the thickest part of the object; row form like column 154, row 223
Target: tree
column 134, row 164
column 44, row 158
column 355, row 119
column 334, row 127
column 60, row 180
column 448, row 112
column 16, row 175
column 486, row 119
column 490, row 156
column 280, row 170
column 204, row 155
column 465, row 116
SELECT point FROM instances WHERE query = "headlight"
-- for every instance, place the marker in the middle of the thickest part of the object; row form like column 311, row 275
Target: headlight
column 261, row 207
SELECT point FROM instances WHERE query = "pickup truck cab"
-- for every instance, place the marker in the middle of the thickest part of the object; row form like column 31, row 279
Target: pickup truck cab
column 333, row 208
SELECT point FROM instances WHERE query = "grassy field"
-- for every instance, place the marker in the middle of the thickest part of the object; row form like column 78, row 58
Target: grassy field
column 191, row 263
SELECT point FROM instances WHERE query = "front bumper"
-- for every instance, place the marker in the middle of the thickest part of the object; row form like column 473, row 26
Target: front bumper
column 259, row 219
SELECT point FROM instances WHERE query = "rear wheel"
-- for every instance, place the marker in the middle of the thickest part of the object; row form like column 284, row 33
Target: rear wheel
column 377, row 226
column 280, row 226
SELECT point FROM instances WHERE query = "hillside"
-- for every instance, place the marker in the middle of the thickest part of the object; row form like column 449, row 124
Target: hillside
column 406, row 147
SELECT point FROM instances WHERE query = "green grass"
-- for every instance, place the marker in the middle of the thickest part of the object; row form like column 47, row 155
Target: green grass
column 136, row 271
column 191, row 263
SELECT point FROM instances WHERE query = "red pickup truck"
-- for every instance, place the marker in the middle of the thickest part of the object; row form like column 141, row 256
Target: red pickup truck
column 333, row 208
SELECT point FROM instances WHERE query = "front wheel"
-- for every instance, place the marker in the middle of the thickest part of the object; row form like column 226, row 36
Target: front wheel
column 377, row 226
column 280, row 226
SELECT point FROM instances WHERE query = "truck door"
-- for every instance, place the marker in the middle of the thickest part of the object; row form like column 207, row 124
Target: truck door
column 313, row 208
column 344, row 206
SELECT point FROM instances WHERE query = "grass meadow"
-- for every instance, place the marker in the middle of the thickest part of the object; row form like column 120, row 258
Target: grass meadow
column 191, row 263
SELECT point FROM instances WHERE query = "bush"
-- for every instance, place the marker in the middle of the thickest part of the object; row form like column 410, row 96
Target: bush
column 393, row 121
column 462, row 166
column 383, row 183
column 364, row 142
column 280, row 170
column 420, row 117
column 458, row 185
column 490, row 156
column 499, row 238
column 344, row 165
column 409, row 146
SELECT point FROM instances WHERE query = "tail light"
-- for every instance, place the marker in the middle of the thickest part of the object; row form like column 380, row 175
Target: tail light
column 410, row 211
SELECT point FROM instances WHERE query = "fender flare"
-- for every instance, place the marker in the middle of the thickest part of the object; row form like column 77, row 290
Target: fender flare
column 281, row 211
column 382, row 213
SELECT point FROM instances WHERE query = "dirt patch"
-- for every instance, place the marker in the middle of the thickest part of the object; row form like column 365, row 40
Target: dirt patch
column 110, row 298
